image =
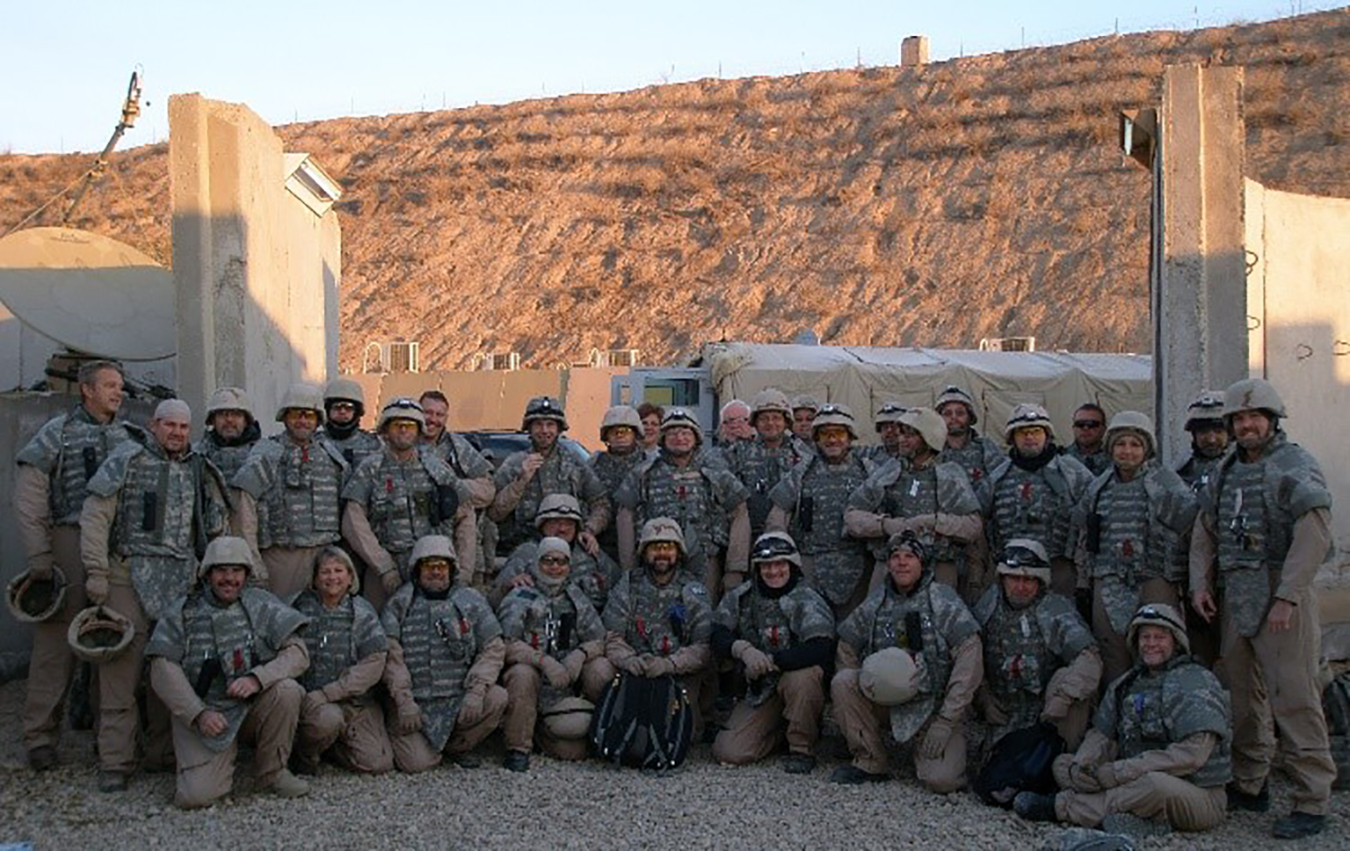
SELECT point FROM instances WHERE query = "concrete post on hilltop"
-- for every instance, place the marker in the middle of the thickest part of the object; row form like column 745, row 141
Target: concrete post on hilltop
column 1198, row 265
column 256, row 257
column 914, row 51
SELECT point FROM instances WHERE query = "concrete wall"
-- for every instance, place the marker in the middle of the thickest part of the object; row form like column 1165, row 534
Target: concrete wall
column 255, row 270
column 1298, row 306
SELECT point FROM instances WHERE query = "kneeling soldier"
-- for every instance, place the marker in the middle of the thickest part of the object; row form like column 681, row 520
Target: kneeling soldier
column 347, row 649
column 782, row 631
column 552, row 634
column 1159, row 746
column 224, row 660
column 445, row 654
column 940, row 641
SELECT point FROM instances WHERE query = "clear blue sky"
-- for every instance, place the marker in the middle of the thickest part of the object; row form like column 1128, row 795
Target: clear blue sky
column 65, row 65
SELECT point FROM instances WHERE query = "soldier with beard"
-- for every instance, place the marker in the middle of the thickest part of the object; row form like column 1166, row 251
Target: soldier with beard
column 445, row 654
column 975, row 453
column 554, row 644
column 344, row 404
column 810, row 503
column 782, row 632
column 525, row 478
column 619, row 431
column 1209, row 439
column 231, row 431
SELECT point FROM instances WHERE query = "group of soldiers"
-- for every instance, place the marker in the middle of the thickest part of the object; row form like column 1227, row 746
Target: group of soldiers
column 333, row 593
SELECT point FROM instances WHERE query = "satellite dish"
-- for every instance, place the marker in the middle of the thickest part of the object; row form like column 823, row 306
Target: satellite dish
column 89, row 292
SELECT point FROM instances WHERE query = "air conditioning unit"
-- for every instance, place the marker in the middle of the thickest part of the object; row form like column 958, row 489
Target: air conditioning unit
column 623, row 357
column 502, row 361
column 1008, row 344
column 397, row 356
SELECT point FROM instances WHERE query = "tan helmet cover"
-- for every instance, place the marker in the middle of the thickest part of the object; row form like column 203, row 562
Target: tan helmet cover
column 226, row 550
column 929, row 424
column 561, row 506
column 1158, row 614
column 807, row 402
column 1028, row 415
column 889, row 677
column 35, row 600
column 401, row 408
column 620, row 415
column 835, row 414
column 229, row 399
column 1252, row 394
column 432, row 546
column 680, row 417
column 98, row 634
column 1132, row 422
column 1206, row 407
column 544, row 408
column 952, row 393
column 569, row 718
column 770, row 399
column 772, row 546
column 302, row 396
column 346, row 389
column 889, row 412
column 1024, row 557
column 661, row 529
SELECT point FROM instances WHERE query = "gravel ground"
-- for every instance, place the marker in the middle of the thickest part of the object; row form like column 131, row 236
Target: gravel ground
column 555, row 805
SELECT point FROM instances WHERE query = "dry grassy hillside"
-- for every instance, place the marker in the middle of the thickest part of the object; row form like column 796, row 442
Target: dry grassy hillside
column 976, row 197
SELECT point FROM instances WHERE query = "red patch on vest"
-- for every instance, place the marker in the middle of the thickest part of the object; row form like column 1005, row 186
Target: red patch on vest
column 773, row 635
column 1026, row 491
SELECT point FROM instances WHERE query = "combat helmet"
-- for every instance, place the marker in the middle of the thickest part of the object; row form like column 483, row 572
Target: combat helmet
column 401, row 408
column 1132, row 422
column 929, row 424
column 835, row 414
column 432, row 546
column 1253, row 394
column 1158, row 614
column 662, row 529
column 772, row 546
column 952, row 393
column 620, row 415
column 229, row 399
column 681, row 417
column 889, row 412
column 558, row 506
column 889, row 677
column 226, row 550
column 98, row 634
column 1205, row 410
column 1024, row 557
column 35, row 600
column 304, row 397
column 345, row 390
column 805, row 402
column 544, row 408
column 1028, row 415
column 770, row 399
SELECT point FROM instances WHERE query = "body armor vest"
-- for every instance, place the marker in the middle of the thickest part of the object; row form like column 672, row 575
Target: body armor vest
column 302, row 508
column 890, row 627
column 356, row 447
column 760, row 469
column 1025, row 506
column 400, row 506
column 1152, row 714
column 838, row 561
column 337, row 638
column 915, row 493
column 684, row 495
column 1242, row 534
column 75, row 446
column 660, row 621
column 228, row 459
column 974, row 457
column 155, row 506
column 223, row 636
column 560, row 473
column 1197, row 471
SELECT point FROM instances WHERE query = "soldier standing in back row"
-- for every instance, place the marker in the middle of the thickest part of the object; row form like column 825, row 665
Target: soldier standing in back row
column 619, row 431
column 50, row 485
column 1209, row 440
column 344, row 404
column 1263, row 530
column 760, row 463
column 473, row 470
column 1087, row 447
column 231, row 431
column 975, row 453
column 151, row 509
column 887, row 426
column 804, row 411
column 285, row 497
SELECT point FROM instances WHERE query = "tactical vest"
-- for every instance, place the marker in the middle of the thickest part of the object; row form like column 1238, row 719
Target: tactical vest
column 760, row 468
column 612, row 469
column 1197, row 471
column 357, row 446
column 155, row 506
column 1025, row 506
column 971, row 457
column 439, row 646
column 302, row 508
column 558, row 474
column 228, row 459
column 1242, row 531
column 1152, row 712
column 818, row 517
column 556, row 625
column 661, row 623
column 399, row 506
column 1018, row 662
column 223, row 634
column 915, row 493
column 80, row 445
column 1123, row 509
column 330, row 637
column 684, row 495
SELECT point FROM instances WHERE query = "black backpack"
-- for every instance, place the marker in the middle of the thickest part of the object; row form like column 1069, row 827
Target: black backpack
column 645, row 722
column 1020, row 762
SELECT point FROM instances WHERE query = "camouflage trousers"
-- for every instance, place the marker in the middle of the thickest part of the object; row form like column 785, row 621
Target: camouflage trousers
column 862, row 722
column 520, row 727
column 205, row 776
column 352, row 732
column 1184, row 805
column 413, row 753
column 52, row 662
column 753, row 732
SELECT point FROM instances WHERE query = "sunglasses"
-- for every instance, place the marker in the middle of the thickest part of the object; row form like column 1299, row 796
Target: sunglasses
column 555, row 560
column 772, row 548
column 1087, row 423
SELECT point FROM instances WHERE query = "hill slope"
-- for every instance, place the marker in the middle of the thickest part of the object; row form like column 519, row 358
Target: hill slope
column 972, row 198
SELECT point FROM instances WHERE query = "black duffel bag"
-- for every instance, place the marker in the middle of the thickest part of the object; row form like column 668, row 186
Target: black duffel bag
column 1021, row 761
column 644, row 722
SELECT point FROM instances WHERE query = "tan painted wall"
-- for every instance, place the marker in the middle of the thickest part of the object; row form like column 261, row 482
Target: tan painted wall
column 1298, row 297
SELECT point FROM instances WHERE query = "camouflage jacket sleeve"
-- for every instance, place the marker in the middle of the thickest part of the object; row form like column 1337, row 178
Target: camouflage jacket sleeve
column 520, row 562
column 955, row 495
column 259, row 472
column 391, row 618
column 471, row 461
column 728, row 612
column 855, row 631
column 809, row 616
column 112, row 473
column 589, row 628
column 362, row 480
column 1065, row 633
column 785, row 494
column 1175, row 504
column 618, row 609
column 511, row 613
column 43, row 450
column 510, row 487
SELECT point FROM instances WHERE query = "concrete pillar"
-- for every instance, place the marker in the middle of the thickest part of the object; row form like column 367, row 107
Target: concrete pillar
column 914, row 51
column 1198, row 280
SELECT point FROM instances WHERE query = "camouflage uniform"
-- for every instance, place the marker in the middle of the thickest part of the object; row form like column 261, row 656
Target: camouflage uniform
column 51, row 482
column 229, row 457
column 594, row 576
column 389, row 504
column 787, row 627
column 952, row 665
column 355, row 447
column 440, row 652
column 1170, row 732
column 760, row 468
column 256, row 635
column 475, row 472
column 565, row 628
column 1265, row 525
column 1038, row 503
column 516, row 502
column 935, row 501
column 1039, row 661
column 287, row 507
column 978, row 457
column 146, row 519
column 809, row 503
column 339, row 715
column 611, row 470
column 1127, row 534
column 1097, row 462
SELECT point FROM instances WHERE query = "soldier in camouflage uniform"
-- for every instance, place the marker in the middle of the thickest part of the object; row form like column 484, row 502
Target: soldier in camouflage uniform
column 659, row 621
column 928, row 620
column 151, row 509
column 231, row 431
column 1158, row 750
column 1088, row 448
column 400, row 495
column 782, row 632
column 559, row 517
column 619, row 432
column 525, row 478
column 50, row 484
column 705, row 499
column 347, row 648
column 760, row 463
column 1032, row 493
column 1128, row 525
column 928, row 496
column 285, row 497
column 975, row 453
column 224, row 660
column 810, row 501
column 344, row 404
column 1040, row 661
column 887, row 425
column 473, row 470
column 804, row 411
column 1209, row 440
column 445, row 654
column 554, row 644
column 1264, row 527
